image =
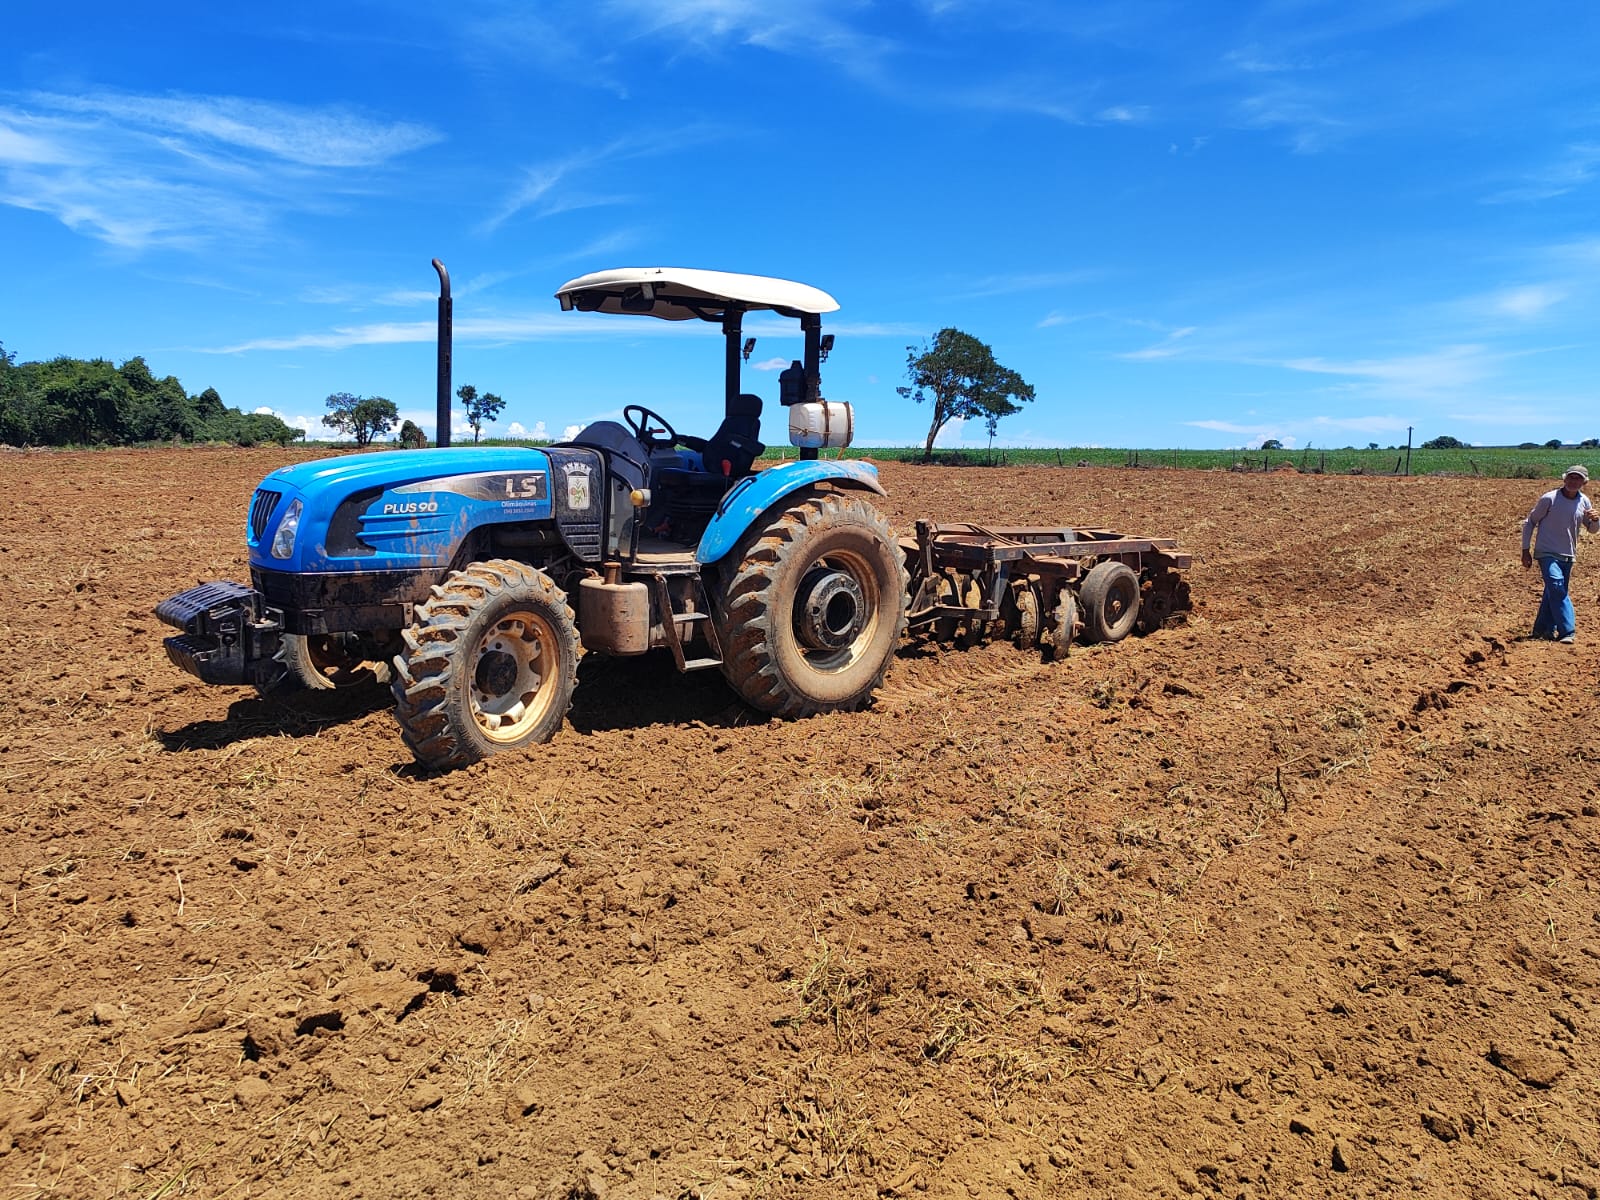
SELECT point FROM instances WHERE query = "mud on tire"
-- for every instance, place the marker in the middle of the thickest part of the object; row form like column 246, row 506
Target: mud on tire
column 813, row 606
column 488, row 664
column 326, row 662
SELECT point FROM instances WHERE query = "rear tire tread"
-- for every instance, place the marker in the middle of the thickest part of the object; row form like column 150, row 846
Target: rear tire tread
column 747, row 608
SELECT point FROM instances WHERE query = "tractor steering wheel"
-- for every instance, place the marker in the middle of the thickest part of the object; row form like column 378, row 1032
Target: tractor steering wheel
column 640, row 419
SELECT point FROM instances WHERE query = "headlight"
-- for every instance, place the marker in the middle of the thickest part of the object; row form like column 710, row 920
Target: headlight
column 283, row 540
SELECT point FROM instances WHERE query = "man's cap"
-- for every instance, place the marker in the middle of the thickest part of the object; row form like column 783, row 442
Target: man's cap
column 1577, row 469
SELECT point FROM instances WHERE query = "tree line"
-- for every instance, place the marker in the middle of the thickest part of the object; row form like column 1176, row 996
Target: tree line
column 364, row 419
column 91, row 402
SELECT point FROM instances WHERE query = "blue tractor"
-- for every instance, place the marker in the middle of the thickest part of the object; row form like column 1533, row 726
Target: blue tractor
column 471, row 578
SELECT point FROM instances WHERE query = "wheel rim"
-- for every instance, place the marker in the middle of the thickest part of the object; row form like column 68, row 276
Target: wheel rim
column 1119, row 599
column 330, row 658
column 512, row 670
column 835, row 612
column 830, row 609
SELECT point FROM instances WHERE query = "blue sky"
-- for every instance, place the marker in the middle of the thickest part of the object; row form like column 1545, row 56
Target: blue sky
column 1193, row 225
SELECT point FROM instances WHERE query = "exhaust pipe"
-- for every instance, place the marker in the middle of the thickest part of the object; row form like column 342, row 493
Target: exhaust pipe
column 446, row 333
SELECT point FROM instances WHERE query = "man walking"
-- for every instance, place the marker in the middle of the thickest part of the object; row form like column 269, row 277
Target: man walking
column 1556, row 515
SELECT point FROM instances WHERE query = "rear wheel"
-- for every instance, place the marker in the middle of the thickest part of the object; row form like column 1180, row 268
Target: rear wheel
column 488, row 665
column 1110, row 601
column 814, row 607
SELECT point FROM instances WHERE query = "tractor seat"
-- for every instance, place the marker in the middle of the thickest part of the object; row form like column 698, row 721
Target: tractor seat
column 727, row 455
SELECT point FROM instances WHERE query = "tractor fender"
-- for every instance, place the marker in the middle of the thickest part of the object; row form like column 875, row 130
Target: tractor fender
column 756, row 494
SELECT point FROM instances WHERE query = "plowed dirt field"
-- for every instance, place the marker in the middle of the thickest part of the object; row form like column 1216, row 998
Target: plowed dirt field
column 1295, row 899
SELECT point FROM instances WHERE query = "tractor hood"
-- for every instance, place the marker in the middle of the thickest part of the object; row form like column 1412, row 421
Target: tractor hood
column 394, row 510
column 349, row 472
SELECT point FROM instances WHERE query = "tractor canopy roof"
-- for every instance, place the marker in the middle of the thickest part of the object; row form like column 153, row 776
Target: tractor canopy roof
column 685, row 294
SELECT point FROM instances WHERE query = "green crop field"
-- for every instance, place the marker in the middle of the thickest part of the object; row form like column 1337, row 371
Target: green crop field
column 1505, row 462
column 1498, row 461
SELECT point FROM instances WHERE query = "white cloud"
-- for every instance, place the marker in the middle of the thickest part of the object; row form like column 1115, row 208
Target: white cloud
column 1057, row 318
column 809, row 30
column 1578, row 166
column 1525, row 303
column 25, row 148
column 1310, row 430
column 1252, row 434
column 771, row 364
column 1299, row 111
column 950, row 435
column 1005, row 285
column 569, row 432
column 504, row 330
column 1451, row 368
column 1165, row 348
column 140, row 172
column 514, row 328
column 313, row 430
column 326, row 137
column 386, row 333
column 540, row 186
column 1362, row 424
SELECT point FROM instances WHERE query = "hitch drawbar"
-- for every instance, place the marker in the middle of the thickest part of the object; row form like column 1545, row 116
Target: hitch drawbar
column 229, row 636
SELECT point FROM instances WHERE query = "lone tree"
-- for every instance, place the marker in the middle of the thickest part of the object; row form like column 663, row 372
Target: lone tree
column 411, row 437
column 959, row 376
column 480, row 410
column 1272, row 444
column 1443, row 442
column 362, row 417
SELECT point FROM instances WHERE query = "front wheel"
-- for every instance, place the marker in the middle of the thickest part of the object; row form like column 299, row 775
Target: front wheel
column 814, row 608
column 324, row 662
column 488, row 665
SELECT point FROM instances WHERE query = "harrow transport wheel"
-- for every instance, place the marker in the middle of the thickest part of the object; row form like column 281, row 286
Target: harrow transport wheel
column 1110, row 600
column 488, row 664
column 1064, row 624
column 813, row 608
column 327, row 662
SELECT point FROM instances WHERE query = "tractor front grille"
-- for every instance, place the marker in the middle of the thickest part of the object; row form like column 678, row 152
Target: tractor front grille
column 262, row 505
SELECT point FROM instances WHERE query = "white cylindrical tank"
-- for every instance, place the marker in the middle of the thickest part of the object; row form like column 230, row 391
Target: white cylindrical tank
column 821, row 424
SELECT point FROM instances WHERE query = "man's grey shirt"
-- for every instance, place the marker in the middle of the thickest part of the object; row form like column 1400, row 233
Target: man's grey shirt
column 1557, row 519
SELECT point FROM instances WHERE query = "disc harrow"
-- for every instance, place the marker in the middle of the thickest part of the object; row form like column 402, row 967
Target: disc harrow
column 1041, row 585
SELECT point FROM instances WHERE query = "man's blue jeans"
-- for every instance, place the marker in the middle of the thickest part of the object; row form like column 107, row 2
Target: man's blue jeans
column 1556, row 618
